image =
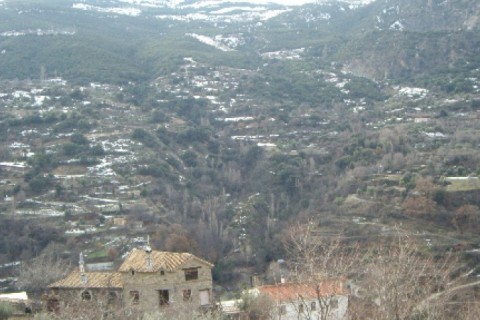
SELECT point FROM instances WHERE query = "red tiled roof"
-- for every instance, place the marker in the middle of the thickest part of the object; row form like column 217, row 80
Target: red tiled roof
column 292, row 291
column 169, row 261
column 94, row 280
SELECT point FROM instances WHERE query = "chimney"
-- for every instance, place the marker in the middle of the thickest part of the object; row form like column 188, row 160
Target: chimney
column 340, row 286
column 148, row 250
column 83, row 278
column 255, row 281
column 81, row 265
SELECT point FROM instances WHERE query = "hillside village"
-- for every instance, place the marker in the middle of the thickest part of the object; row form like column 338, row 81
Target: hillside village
column 235, row 140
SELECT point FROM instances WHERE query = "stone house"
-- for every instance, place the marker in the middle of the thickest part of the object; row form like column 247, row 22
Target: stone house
column 293, row 301
column 119, row 221
column 146, row 281
column 158, row 279
column 102, row 287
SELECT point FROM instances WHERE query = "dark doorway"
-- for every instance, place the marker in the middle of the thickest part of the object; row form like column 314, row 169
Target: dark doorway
column 164, row 297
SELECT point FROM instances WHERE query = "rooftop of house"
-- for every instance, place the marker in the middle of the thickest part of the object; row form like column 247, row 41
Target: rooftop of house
column 138, row 259
column 92, row 280
column 294, row 291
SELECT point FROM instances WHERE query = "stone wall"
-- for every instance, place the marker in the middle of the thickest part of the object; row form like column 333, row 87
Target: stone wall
column 91, row 302
column 151, row 286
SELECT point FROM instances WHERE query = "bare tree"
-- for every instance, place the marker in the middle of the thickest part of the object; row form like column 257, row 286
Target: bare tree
column 425, row 186
column 37, row 274
column 467, row 217
column 400, row 278
column 395, row 279
column 79, row 309
column 256, row 307
column 419, row 206
column 470, row 310
column 312, row 254
column 321, row 262
column 182, row 313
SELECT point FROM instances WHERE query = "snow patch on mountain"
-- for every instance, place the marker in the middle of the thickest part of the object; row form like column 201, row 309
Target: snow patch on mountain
column 179, row 4
column 232, row 9
column 214, row 17
column 412, row 92
column 134, row 12
column 210, row 3
column 397, row 25
column 154, row 3
column 214, row 42
column 295, row 54
column 37, row 32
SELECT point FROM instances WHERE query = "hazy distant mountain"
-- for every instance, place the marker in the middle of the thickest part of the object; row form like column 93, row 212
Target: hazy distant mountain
column 413, row 39
column 137, row 39
column 204, row 3
column 425, row 15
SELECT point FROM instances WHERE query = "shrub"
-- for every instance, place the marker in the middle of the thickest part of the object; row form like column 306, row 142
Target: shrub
column 6, row 311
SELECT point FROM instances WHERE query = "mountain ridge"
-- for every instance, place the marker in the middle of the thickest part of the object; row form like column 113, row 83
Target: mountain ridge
column 330, row 31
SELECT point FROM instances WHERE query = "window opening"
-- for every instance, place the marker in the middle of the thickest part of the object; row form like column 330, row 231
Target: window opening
column 86, row 296
column 134, row 297
column 187, row 295
column 334, row 303
column 191, row 274
column 112, row 296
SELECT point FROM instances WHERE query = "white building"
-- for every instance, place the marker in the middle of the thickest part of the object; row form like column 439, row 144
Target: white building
column 295, row 301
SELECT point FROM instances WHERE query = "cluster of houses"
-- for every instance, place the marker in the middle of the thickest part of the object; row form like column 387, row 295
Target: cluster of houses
column 150, row 280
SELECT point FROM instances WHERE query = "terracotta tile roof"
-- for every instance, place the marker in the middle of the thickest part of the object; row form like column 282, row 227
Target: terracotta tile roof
column 169, row 261
column 292, row 291
column 94, row 280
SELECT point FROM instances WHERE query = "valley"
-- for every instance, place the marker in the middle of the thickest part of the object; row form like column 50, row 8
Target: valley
column 215, row 128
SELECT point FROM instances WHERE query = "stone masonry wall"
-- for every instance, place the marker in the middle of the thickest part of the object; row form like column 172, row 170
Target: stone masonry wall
column 149, row 285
